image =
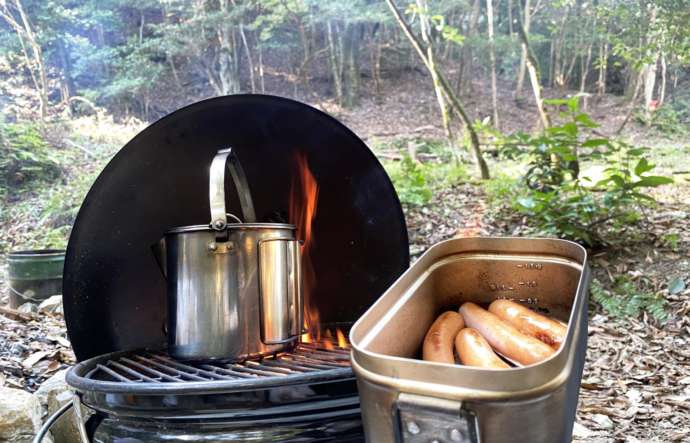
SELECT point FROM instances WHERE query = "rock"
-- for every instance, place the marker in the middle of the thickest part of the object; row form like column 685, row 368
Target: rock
column 52, row 394
column 28, row 308
column 51, row 304
column 603, row 421
column 20, row 415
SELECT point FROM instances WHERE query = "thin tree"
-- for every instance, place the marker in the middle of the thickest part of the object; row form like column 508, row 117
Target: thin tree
column 431, row 61
column 454, row 101
column 531, row 64
column 34, row 59
column 526, row 20
column 492, row 58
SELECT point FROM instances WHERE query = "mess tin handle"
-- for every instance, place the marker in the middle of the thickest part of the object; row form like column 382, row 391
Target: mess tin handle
column 423, row 419
column 216, row 193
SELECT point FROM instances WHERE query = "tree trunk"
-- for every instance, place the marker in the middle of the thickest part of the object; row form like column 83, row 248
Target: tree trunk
column 649, row 73
column 261, row 68
column 603, row 62
column 464, row 83
column 336, row 70
column 34, row 62
column 527, row 14
column 250, row 62
column 636, row 91
column 510, row 18
column 351, row 65
column 662, row 89
column 492, row 58
column 447, row 89
column 426, row 38
column 531, row 64
column 585, row 68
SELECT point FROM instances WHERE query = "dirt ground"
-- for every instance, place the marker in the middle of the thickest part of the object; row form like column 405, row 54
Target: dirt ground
column 636, row 382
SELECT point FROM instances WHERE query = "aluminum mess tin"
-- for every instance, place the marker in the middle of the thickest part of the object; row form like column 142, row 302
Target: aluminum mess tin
column 406, row 399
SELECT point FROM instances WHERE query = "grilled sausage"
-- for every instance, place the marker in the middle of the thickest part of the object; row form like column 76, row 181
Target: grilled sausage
column 529, row 322
column 474, row 350
column 438, row 343
column 505, row 338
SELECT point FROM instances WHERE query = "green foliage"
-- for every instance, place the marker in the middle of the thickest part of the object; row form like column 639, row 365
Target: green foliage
column 26, row 157
column 626, row 298
column 414, row 181
column 409, row 181
column 558, row 201
column 671, row 240
column 672, row 119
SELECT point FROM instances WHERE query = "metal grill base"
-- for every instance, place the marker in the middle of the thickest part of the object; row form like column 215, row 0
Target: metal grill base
column 305, row 393
column 144, row 367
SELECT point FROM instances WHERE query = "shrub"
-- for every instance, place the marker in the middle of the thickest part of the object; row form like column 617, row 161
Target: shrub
column 558, row 201
column 409, row 181
column 26, row 157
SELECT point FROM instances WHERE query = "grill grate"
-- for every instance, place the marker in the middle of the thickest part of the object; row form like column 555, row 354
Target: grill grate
column 157, row 367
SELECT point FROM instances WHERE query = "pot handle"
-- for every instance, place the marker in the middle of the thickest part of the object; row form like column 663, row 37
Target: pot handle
column 423, row 419
column 223, row 158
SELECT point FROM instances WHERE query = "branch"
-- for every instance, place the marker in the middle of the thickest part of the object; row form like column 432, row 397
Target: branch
column 447, row 89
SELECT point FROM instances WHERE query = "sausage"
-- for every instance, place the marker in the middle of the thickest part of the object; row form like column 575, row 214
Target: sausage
column 529, row 322
column 505, row 338
column 438, row 343
column 474, row 350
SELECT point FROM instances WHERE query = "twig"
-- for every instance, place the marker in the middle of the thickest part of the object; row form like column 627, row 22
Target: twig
column 16, row 315
column 76, row 145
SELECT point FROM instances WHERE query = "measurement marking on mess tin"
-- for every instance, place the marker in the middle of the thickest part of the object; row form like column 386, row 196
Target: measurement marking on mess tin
column 501, row 287
column 529, row 283
column 532, row 266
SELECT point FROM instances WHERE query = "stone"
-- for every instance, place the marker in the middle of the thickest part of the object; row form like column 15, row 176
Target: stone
column 603, row 421
column 20, row 415
column 51, row 304
column 28, row 308
column 52, row 394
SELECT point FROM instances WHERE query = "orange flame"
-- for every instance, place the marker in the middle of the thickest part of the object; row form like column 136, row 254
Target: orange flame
column 304, row 194
column 342, row 341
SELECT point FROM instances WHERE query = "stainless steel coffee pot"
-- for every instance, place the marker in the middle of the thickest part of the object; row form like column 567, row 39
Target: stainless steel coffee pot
column 233, row 289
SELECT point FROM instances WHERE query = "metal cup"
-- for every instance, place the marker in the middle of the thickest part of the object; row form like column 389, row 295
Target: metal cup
column 234, row 290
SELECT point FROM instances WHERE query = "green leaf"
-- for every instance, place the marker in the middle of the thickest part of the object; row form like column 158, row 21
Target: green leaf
column 591, row 143
column 653, row 180
column 570, row 129
column 585, row 120
column 643, row 166
column 676, row 286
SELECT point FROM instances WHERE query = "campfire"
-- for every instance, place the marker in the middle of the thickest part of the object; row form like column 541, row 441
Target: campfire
column 304, row 196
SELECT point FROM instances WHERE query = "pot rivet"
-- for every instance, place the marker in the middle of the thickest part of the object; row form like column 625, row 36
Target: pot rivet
column 212, row 246
column 455, row 435
column 412, row 428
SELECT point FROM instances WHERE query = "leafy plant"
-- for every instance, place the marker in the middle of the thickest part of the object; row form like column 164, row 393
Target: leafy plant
column 559, row 201
column 26, row 156
column 668, row 120
column 627, row 299
column 409, row 181
column 671, row 240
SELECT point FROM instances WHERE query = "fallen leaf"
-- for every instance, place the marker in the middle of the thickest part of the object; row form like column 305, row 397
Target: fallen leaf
column 61, row 340
column 34, row 358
